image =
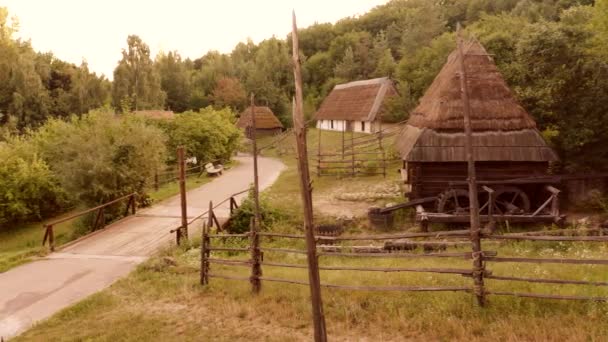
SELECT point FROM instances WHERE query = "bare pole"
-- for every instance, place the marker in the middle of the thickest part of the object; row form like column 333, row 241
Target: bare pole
column 256, row 270
column 473, row 200
column 183, row 230
column 314, row 280
column 256, row 189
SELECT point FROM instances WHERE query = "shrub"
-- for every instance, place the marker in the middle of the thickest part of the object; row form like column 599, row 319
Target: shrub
column 239, row 222
column 208, row 135
column 28, row 188
column 100, row 156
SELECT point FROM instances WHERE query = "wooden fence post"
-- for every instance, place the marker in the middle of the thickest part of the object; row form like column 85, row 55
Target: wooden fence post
column 210, row 215
column 383, row 152
column 314, row 279
column 352, row 149
column 49, row 235
column 134, row 206
column 256, row 267
column 182, row 191
column 478, row 264
column 205, row 255
column 156, row 186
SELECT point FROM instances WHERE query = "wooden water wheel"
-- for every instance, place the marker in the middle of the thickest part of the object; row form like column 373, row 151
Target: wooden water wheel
column 453, row 201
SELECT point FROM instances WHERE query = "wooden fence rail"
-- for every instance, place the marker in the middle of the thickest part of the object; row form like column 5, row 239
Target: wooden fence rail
column 100, row 221
column 476, row 274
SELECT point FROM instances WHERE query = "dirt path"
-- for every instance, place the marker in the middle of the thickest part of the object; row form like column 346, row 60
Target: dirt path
column 36, row 290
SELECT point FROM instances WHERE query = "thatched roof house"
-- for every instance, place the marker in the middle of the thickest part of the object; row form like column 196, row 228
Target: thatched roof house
column 156, row 114
column 355, row 106
column 506, row 143
column 265, row 121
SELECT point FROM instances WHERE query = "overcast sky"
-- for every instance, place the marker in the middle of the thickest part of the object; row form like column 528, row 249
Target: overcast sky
column 97, row 30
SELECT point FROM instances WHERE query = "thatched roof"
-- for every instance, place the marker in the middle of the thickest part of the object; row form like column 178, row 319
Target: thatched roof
column 264, row 118
column 502, row 129
column 493, row 105
column 356, row 101
column 156, row 114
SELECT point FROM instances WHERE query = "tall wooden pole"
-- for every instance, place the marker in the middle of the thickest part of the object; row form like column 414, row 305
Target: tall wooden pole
column 256, row 270
column 306, row 190
column 183, row 231
column 473, row 201
column 256, row 191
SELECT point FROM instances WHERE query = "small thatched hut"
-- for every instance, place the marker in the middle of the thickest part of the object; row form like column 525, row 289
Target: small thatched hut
column 266, row 122
column 355, row 106
column 506, row 143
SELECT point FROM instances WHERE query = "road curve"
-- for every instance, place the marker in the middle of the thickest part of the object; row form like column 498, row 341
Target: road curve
column 35, row 291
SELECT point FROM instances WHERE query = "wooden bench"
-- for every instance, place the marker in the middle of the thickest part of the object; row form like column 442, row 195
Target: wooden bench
column 213, row 170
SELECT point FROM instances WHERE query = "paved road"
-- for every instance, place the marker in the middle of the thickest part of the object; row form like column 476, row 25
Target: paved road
column 36, row 290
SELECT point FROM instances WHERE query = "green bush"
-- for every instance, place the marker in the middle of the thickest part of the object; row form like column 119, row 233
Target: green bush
column 240, row 220
column 100, row 156
column 208, row 135
column 28, row 188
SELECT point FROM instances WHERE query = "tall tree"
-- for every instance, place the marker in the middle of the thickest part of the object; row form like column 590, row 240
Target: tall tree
column 174, row 80
column 136, row 82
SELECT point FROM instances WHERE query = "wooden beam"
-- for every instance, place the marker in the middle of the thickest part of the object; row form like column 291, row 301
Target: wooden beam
column 320, row 332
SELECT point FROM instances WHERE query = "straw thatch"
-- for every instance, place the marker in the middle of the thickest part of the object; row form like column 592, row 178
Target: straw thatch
column 356, row 101
column 156, row 114
column 264, row 119
column 502, row 129
column 493, row 105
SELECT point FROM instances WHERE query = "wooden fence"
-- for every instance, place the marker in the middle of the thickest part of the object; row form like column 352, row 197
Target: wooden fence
column 362, row 155
column 100, row 219
column 479, row 271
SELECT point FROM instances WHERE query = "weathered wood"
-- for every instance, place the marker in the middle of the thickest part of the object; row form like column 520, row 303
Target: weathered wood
column 287, row 236
column 224, row 236
column 86, row 211
column 465, row 255
column 478, row 265
column 204, row 256
column 546, row 296
column 408, row 204
column 306, row 191
column 183, row 231
column 548, row 260
column 548, row 238
column 256, row 269
column 437, row 234
column 229, row 249
column 422, row 217
column 447, row 218
column 548, row 281
column 283, row 250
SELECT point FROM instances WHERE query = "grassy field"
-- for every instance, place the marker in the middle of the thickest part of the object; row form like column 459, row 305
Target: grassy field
column 162, row 299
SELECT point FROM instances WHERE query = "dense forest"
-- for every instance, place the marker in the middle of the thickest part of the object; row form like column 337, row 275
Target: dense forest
column 553, row 54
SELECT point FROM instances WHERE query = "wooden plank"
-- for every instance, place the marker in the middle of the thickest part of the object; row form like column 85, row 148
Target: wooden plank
column 548, row 238
column 228, row 249
column 549, row 260
column 283, row 250
column 320, row 331
column 376, row 269
column 409, row 204
column 437, row 234
column 548, row 281
column 224, row 236
column 465, row 255
column 546, row 296
column 375, row 288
